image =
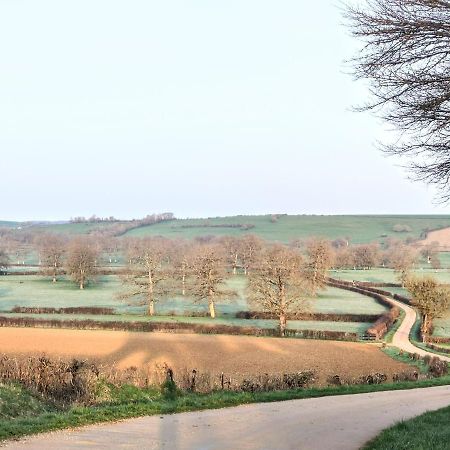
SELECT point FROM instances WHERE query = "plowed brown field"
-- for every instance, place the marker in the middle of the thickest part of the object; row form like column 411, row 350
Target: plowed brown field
column 238, row 355
column 442, row 237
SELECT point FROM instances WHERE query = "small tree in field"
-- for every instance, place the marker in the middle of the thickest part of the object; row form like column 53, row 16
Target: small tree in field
column 148, row 274
column 207, row 275
column 276, row 283
column 320, row 259
column 430, row 298
column 232, row 248
column 4, row 260
column 180, row 257
column 402, row 259
column 51, row 250
column 81, row 257
column 250, row 246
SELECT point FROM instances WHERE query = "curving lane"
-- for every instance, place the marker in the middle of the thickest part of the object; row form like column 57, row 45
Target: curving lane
column 329, row 423
column 401, row 336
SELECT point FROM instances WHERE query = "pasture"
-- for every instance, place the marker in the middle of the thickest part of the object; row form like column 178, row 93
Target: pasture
column 36, row 291
column 381, row 275
column 285, row 228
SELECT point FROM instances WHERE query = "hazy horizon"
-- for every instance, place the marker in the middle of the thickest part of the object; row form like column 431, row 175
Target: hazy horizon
column 201, row 109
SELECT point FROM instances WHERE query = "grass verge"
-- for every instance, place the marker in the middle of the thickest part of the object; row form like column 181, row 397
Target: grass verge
column 428, row 431
column 128, row 401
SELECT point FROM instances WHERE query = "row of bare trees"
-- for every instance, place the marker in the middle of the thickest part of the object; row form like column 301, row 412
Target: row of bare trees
column 281, row 278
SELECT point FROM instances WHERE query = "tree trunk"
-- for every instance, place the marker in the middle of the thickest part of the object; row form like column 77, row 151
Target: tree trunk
column 425, row 328
column 212, row 309
column 81, row 285
column 283, row 325
column 151, row 303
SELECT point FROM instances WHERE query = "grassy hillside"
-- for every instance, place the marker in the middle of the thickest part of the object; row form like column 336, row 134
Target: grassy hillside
column 359, row 228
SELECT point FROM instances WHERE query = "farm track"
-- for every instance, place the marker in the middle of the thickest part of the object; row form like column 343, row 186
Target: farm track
column 329, row 423
column 401, row 336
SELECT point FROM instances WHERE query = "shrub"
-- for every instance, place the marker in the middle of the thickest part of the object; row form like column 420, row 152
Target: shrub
column 265, row 383
column 382, row 325
column 437, row 367
column 401, row 228
column 63, row 382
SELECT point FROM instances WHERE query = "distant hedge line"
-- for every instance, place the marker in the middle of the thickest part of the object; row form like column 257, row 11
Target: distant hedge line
column 438, row 348
column 386, row 320
column 172, row 327
column 246, row 315
column 438, row 339
column 319, row 317
column 71, row 310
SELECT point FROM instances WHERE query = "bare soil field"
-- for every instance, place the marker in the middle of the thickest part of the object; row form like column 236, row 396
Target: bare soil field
column 440, row 236
column 233, row 355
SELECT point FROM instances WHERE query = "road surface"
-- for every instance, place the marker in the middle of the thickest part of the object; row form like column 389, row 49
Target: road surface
column 329, row 423
column 401, row 336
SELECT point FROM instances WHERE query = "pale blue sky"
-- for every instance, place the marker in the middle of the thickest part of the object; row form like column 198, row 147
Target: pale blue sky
column 202, row 108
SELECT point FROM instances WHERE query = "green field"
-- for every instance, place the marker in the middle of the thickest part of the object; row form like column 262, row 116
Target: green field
column 380, row 275
column 359, row 228
column 36, row 291
column 441, row 325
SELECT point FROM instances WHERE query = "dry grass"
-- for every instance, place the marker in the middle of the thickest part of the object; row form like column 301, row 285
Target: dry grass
column 238, row 355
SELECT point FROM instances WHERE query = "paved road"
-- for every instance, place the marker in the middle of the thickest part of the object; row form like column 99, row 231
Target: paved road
column 401, row 337
column 328, row 423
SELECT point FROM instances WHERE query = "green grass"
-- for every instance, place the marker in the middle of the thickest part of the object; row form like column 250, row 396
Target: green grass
column 403, row 357
column 380, row 275
column 34, row 290
column 360, row 228
column 442, row 325
column 17, row 402
column 428, row 431
column 128, row 402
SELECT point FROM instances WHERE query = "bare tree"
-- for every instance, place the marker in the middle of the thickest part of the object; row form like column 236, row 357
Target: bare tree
column 366, row 256
column 4, row 261
column 430, row 298
column 276, row 283
column 344, row 258
column 320, row 259
column 81, row 257
column 180, row 256
column 430, row 251
column 406, row 58
column 232, row 247
column 250, row 246
column 148, row 275
column 402, row 259
column 207, row 276
column 51, row 252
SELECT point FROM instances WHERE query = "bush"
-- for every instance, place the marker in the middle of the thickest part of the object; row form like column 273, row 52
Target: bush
column 62, row 382
column 401, row 228
column 383, row 324
column 437, row 367
column 266, row 383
